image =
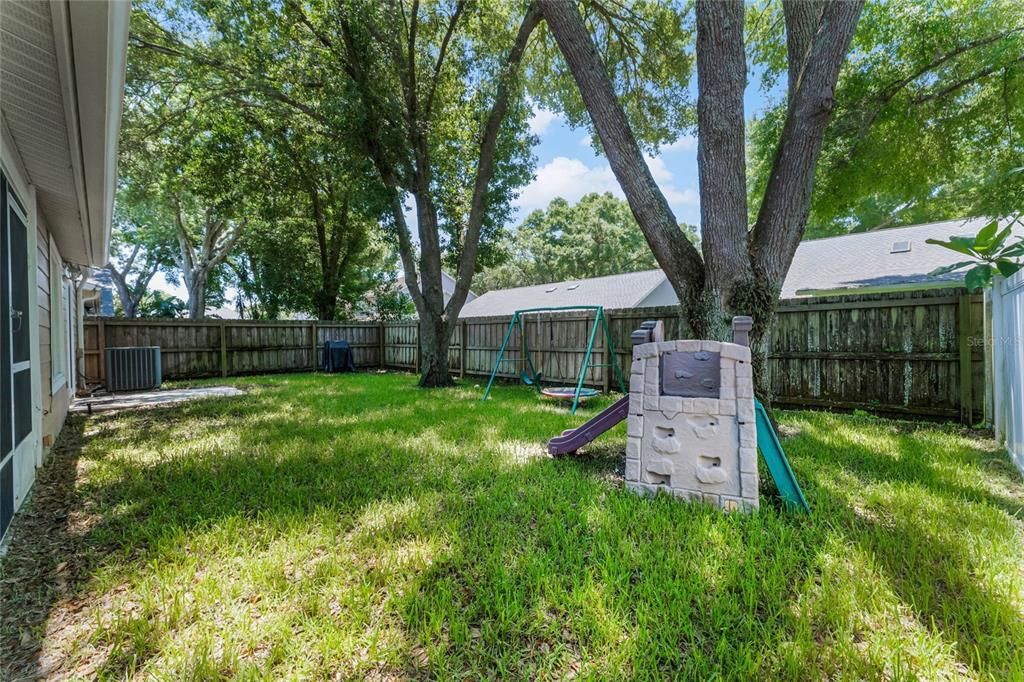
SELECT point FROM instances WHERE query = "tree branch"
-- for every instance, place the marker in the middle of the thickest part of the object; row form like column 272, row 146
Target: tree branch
column 888, row 93
column 485, row 165
column 787, row 198
column 675, row 254
column 802, row 17
column 428, row 107
column 939, row 93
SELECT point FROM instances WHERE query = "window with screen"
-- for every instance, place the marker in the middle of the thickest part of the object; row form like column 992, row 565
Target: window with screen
column 58, row 351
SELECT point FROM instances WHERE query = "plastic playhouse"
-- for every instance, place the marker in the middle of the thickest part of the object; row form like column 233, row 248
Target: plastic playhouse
column 694, row 427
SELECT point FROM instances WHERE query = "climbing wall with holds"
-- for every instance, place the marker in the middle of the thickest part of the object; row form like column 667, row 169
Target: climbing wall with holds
column 691, row 426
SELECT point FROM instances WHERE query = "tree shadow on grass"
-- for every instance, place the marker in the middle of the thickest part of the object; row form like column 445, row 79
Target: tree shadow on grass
column 928, row 532
column 533, row 566
column 267, row 458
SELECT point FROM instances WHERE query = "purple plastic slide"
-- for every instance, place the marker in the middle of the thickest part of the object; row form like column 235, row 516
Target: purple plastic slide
column 573, row 439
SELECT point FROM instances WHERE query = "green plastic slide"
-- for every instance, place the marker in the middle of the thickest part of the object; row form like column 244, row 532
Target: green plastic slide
column 778, row 465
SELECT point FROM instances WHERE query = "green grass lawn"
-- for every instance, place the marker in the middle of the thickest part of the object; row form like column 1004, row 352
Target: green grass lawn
column 327, row 527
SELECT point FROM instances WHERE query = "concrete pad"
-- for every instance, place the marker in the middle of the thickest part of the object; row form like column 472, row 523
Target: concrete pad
column 130, row 401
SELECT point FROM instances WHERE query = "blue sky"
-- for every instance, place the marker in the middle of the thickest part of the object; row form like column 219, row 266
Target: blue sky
column 567, row 165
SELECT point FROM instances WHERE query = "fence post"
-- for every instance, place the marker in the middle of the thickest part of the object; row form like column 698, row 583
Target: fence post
column 101, row 346
column 964, row 342
column 313, row 343
column 223, row 349
column 606, row 379
column 419, row 347
column 380, row 341
column 462, row 349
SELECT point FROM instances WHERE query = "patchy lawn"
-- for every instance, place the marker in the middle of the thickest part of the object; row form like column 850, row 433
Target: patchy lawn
column 356, row 526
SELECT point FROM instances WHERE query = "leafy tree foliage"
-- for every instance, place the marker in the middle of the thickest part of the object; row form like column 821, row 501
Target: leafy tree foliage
column 595, row 237
column 426, row 92
column 159, row 304
column 988, row 254
column 929, row 115
column 253, row 189
column 139, row 248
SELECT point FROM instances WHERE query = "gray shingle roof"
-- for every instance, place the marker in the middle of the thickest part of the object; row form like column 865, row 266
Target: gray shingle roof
column 852, row 261
column 866, row 259
column 613, row 291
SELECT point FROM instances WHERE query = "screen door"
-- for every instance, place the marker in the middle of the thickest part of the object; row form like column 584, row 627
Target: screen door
column 15, row 348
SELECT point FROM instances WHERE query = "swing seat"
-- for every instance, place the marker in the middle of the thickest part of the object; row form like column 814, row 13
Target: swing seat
column 530, row 380
column 567, row 393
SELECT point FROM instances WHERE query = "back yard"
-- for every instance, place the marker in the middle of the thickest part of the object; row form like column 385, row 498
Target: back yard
column 356, row 526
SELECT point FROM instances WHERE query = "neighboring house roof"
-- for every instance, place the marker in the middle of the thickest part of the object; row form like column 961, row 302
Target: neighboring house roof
column 62, row 71
column 883, row 260
column 100, row 282
column 224, row 312
column 447, row 286
column 895, row 258
column 614, row 291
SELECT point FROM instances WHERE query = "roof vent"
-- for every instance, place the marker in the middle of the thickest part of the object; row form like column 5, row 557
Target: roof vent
column 900, row 247
column 549, row 290
column 573, row 287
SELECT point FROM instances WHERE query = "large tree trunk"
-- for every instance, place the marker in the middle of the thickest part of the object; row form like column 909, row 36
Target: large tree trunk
column 327, row 302
column 434, row 340
column 128, row 304
column 721, row 164
column 197, row 299
column 423, row 274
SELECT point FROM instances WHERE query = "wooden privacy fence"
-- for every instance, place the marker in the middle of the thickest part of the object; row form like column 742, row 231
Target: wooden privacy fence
column 917, row 353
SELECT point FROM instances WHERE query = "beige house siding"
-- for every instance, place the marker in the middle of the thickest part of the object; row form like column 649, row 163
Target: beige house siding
column 55, row 401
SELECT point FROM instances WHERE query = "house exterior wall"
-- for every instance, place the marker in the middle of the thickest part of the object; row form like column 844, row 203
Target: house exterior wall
column 43, row 300
column 53, row 381
column 50, row 399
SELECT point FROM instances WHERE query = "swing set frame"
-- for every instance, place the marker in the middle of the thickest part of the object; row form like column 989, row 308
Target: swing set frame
column 600, row 321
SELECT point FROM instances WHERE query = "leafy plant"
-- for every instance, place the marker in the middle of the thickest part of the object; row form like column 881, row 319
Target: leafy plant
column 989, row 253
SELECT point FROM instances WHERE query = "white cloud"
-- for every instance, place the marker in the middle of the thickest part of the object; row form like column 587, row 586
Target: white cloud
column 586, row 141
column 659, row 171
column 541, row 120
column 566, row 178
column 681, row 197
column 685, row 143
column 572, row 178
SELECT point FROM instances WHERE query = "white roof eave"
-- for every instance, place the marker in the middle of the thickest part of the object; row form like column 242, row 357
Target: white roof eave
column 91, row 37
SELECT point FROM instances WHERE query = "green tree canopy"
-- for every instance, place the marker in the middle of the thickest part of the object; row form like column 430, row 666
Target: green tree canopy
column 929, row 118
column 597, row 236
column 265, row 193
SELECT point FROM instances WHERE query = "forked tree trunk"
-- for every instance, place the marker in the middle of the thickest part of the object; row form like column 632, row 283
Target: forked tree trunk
column 128, row 302
column 740, row 271
column 423, row 273
column 326, row 302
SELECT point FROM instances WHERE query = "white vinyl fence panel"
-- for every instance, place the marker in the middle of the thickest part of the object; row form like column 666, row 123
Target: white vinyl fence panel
column 1008, row 364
